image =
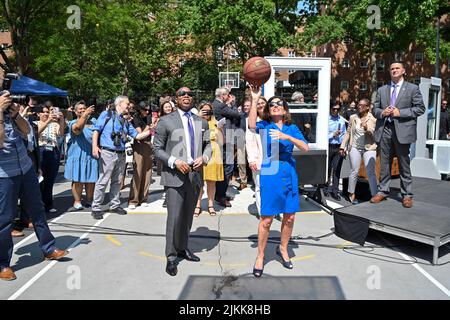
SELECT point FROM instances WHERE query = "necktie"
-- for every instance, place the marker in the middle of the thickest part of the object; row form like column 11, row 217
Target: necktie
column 393, row 98
column 393, row 95
column 191, row 134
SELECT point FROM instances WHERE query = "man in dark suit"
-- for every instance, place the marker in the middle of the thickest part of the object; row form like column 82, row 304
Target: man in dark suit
column 396, row 107
column 182, row 144
column 223, row 109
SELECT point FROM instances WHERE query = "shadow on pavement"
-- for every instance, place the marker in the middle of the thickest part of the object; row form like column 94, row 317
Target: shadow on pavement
column 265, row 288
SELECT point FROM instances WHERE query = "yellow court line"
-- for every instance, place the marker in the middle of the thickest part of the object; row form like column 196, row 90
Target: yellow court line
column 145, row 212
column 110, row 238
column 345, row 244
column 146, row 254
column 303, row 258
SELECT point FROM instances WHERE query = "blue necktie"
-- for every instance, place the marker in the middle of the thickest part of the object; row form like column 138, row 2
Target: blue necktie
column 393, row 98
column 191, row 134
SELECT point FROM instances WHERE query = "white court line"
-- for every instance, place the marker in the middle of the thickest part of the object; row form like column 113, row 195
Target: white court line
column 50, row 265
column 419, row 268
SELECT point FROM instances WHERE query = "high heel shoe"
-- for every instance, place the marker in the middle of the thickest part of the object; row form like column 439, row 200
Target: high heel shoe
column 287, row 264
column 258, row 272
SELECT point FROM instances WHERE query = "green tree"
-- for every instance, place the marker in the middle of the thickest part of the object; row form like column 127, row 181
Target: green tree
column 402, row 22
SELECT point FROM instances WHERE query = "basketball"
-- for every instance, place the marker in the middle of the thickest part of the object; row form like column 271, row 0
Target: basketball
column 257, row 71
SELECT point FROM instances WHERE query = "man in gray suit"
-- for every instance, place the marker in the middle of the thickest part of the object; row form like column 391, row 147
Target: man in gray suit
column 182, row 144
column 396, row 107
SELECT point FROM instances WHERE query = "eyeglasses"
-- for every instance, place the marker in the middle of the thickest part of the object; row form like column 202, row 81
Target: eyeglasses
column 182, row 93
column 276, row 104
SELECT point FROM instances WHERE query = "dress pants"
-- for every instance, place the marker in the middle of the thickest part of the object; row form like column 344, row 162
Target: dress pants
column 49, row 167
column 334, row 167
column 389, row 146
column 181, row 203
column 242, row 163
column 142, row 172
column 111, row 168
column 27, row 186
column 228, row 167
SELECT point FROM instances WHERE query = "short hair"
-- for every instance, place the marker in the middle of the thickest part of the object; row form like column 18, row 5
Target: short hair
column 297, row 95
column 78, row 104
column 365, row 100
column 119, row 100
column 335, row 103
column 399, row 62
column 221, row 91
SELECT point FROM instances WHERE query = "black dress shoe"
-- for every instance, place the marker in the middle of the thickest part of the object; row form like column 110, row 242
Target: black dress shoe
column 98, row 215
column 336, row 196
column 287, row 264
column 164, row 203
column 119, row 211
column 224, row 203
column 189, row 256
column 171, row 268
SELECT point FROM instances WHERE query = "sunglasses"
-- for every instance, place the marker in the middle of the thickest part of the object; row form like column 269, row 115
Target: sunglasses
column 182, row 93
column 276, row 104
column 146, row 110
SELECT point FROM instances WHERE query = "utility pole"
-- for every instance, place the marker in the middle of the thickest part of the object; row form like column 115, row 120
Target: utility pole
column 437, row 67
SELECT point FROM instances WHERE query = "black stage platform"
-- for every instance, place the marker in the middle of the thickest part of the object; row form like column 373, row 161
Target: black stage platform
column 428, row 221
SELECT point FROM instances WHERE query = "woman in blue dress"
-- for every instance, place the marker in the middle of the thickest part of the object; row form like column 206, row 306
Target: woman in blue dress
column 81, row 167
column 278, row 180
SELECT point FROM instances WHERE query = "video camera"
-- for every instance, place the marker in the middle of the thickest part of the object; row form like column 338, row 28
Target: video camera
column 6, row 85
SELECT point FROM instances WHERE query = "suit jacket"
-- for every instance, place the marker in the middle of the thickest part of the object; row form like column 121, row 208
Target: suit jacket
column 369, row 142
column 170, row 141
column 410, row 103
column 222, row 110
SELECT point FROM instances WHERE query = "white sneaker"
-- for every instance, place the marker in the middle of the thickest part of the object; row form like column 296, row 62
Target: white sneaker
column 144, row 204
column 131, row 206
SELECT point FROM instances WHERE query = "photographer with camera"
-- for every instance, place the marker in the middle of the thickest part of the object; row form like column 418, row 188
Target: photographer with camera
column 143, row 158
column 51, row 126
column 18, row 177
column 108, row 145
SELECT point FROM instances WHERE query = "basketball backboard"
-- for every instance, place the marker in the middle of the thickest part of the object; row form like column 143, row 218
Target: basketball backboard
column 229, row 79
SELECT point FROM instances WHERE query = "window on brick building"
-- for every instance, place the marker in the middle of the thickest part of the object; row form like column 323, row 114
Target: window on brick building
column 399, row 56
column 363, row 86
column 345, row 63
column 380, row 65
column 363, row 63
column 291, row 54
column 418, row 57
column 344, row 85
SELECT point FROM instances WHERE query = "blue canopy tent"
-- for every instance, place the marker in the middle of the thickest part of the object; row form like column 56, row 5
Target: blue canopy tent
column 29, row 86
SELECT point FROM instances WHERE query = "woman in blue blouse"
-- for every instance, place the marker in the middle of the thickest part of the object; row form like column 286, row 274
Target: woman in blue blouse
column 278, row 181
column 81, row 167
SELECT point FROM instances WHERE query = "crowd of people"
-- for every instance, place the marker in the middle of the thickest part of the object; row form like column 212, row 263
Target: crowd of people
column 192, row 146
